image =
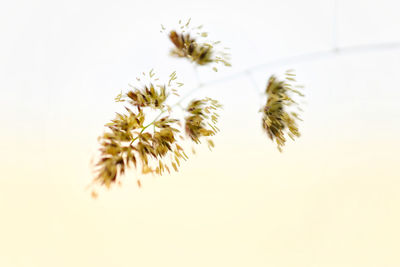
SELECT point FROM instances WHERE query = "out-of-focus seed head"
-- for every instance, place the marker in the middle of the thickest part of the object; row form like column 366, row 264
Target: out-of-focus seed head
column 277, row 120
column 190, row 43
column 202, row 119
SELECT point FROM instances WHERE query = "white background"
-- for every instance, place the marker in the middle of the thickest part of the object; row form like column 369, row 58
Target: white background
column 331, row 199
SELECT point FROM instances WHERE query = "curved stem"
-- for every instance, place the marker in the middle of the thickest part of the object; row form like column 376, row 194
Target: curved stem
column 296, row 59
column 280, row 62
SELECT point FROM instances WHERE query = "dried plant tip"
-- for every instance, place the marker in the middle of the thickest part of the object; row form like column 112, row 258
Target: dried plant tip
column 193, row 48
column 201, row 121
column 149, row 96
column 277, row 120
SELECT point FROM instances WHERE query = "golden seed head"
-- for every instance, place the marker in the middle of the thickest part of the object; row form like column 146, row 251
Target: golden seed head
column 277, row 120
column 152, row 147
column 201, row 121
column 190, row 43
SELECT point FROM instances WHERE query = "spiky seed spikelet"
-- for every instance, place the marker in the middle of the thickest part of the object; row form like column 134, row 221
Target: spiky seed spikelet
column 202, row 118
column 277, row 120
column 193, row 46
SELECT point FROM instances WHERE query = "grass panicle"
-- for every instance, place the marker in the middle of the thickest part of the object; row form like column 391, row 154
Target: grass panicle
column 189, row 42
column 153, row 146
column 278, row 121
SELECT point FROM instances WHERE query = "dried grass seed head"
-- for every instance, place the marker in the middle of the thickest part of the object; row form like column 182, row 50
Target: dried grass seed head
column 277, row 119
column 190, row 43
column 202, row 118
column 130, row 141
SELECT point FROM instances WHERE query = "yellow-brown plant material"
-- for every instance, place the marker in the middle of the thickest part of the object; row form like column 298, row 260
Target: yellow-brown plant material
column 277, row 119
column 189, row 43
column 202, row 118
column 152, row 146
column 147, row 136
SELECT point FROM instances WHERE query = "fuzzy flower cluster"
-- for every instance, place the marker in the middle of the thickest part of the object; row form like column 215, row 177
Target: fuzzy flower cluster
column 149, row 96
column 202, row 119
column 131, row 140
column 277, row 119
column 189, row 43
column 147, row 135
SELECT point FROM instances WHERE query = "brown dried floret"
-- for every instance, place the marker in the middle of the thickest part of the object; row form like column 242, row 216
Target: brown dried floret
column 277, row 120
column 149, row 96
column 186, row 46
column 202, row 119
column 189, row 45
column 116, row 151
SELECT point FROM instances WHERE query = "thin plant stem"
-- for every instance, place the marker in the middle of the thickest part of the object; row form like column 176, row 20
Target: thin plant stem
column 280, row 62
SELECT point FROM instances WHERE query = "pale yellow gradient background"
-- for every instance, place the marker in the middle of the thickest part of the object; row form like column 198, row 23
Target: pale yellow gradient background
column 331, row 199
